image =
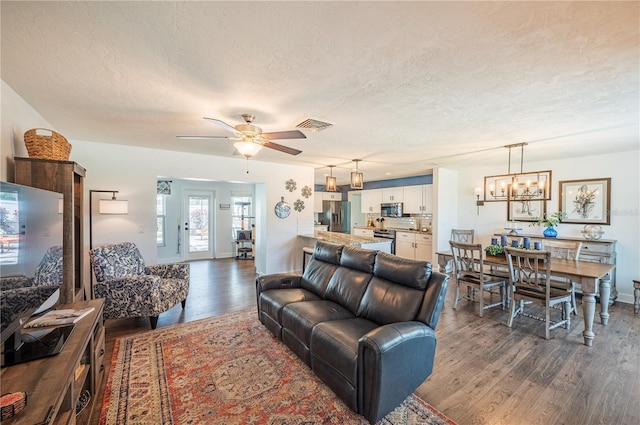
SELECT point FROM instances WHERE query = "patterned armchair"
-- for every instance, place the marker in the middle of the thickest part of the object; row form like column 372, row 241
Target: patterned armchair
column 19, row 294
column 130, row 289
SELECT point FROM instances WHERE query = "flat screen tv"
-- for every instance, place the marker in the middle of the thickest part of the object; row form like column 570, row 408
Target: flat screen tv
column 30, row 269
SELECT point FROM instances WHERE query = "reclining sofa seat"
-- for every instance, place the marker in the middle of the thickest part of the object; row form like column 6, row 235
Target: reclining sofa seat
column 362, row 320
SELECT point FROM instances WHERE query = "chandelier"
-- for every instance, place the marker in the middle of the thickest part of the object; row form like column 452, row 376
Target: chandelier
column 523, row 187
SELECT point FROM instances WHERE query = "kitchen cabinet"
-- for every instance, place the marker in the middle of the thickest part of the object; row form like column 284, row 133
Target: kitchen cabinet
column 370, row 201
column 318, row 197
column 331, row 196
column 415, row 246
column 418, row 199
column 393, row 194
column 363, row 232
column 317, row 202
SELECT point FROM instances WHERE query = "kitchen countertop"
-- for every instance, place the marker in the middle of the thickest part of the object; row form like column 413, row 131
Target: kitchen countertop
column 345, row 238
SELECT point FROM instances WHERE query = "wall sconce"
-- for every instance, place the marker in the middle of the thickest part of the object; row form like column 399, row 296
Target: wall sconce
column 357, row 178
column 330, row 183
column 478, row 192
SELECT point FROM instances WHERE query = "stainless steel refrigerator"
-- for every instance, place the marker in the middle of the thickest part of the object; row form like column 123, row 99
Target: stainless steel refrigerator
column 337, row 215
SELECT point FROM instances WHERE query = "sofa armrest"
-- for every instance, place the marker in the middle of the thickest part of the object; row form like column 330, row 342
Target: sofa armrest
column 277, row 281
column 174, row 270
column 393, row 360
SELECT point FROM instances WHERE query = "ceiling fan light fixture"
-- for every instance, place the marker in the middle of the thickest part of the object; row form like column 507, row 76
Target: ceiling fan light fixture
column 247, row 148
column 331, row 184
column 357, row 178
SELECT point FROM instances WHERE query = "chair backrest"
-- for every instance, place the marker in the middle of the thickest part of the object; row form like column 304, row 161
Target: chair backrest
column 568, row 250
column 49, row 271
column 462, row 235
column 529, row 270
column 467, row 260
column 115, row 261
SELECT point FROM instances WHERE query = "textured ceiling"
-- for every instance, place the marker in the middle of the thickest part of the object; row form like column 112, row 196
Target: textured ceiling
column 407, row 85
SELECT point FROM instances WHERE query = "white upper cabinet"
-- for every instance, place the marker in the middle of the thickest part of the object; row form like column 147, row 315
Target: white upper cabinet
column 371, row 200
column 317, row 202
column 393, row 194
column 331, row 196
column 418, row 199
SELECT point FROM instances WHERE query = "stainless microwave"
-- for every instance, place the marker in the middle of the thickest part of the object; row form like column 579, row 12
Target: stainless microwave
column 391, row 209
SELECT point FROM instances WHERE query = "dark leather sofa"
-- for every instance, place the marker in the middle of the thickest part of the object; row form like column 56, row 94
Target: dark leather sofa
column 362, row 320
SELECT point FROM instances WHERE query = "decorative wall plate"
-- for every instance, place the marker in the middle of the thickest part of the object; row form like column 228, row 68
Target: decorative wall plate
column 282, row 209
column 290, row 185
column 298, row 205
column 306, row 191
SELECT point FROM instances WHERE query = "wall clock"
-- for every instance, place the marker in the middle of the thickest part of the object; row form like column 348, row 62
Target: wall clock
column 282, row 209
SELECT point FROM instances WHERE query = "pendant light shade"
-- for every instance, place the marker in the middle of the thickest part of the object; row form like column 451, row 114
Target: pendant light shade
column 330, row 183
column 357, row 178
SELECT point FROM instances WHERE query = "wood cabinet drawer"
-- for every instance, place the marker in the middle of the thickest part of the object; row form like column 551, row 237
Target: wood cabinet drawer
column 424, row 238
column 597, row 248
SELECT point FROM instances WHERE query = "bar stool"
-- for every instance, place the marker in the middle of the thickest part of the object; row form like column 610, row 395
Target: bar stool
column 636, row 296
column 307, row 250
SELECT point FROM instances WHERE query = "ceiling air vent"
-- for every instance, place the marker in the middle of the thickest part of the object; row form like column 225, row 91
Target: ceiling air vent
column 313, row 124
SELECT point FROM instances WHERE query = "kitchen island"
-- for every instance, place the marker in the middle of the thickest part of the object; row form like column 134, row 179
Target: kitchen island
column 367, row 242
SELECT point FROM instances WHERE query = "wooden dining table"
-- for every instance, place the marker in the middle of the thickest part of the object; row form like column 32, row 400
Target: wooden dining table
column 593, row 278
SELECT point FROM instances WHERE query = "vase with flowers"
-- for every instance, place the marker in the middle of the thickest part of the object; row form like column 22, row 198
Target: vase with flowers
column 550, row 221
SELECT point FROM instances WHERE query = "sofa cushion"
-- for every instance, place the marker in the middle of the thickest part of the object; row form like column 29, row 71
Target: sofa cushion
column 327, row 252
column 300, row 318
column 386, row 302
column 347, row 287
column 335, row 344
column 411, row 273
column 317, row 275
column 358, row 258
column 274, row 300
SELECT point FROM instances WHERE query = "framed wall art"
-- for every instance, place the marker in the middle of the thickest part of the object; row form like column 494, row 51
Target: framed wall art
column 586, row 201
column 525, row 210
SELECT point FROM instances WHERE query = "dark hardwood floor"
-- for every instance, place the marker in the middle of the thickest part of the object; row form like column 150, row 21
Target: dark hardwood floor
column 484, row 373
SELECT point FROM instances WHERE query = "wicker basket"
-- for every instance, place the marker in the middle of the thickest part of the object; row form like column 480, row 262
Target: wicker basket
column 46, row 144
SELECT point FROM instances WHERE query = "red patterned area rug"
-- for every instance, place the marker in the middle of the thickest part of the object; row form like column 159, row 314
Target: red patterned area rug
column 226, row 370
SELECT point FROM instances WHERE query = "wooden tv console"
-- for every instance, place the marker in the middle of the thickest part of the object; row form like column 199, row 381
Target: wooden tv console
column 54, row 384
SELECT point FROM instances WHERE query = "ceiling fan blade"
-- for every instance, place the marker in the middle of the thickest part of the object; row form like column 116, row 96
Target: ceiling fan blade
column 291, row 134
column 222, row 124
column 202, row 137
column 281, row 148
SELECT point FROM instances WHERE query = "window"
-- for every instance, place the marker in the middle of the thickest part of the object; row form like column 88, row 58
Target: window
column 161, row 207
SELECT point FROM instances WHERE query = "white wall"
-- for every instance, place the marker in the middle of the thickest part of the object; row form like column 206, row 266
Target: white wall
column 134, row 171
column 625, row 207
column 17, row 117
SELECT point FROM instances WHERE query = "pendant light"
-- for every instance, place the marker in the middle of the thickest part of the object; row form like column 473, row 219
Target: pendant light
column 330, row 183
column 357, row 179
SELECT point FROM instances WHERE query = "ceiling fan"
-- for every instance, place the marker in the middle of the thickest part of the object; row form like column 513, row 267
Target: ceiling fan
column 251, row 138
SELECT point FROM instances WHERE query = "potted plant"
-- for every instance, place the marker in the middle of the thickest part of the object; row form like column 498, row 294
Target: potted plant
column 495, row 250
column 550, row 222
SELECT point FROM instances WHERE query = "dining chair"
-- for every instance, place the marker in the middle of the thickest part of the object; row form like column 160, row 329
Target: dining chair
column 469, row 271
column 568, row 250
column 530, row 283
column 462, row 235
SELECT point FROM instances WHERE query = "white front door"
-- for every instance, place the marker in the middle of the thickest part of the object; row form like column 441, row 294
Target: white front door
column 198, row 234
